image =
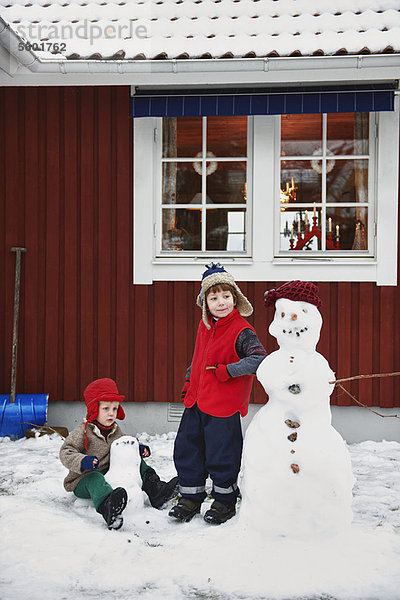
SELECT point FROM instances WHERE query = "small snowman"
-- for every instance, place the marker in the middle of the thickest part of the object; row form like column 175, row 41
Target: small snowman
column 296, row 477
column 124, row 471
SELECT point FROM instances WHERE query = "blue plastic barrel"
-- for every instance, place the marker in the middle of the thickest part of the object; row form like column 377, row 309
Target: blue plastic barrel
column 17, row 417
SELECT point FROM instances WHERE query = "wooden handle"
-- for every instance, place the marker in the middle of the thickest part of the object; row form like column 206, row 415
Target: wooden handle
column 18, row 252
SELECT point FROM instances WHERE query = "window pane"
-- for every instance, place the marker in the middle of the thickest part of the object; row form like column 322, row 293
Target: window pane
column 348, row 133
column 298, row 231
column 226, row 229
column 182, row 137
column 181, row 229
column 301, row 135
column 227, row 136
column 347, row 181
column 348, row 228
column 227, row 183
column 180, row 184
column 300, row 182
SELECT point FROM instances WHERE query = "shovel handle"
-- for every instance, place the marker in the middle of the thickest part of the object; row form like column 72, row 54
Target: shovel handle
column 18, row 251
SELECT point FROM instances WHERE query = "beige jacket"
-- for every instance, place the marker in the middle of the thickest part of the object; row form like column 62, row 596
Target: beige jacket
column 73, row 451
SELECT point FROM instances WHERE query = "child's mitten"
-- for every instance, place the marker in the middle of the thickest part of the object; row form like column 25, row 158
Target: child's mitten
column 221, row 373
column 142, row 450
column 89, row 463
column 185, row 389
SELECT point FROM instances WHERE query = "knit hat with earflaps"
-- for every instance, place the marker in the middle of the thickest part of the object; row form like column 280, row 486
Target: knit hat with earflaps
column 302, row 291
column 215, row 274
column 101, row 390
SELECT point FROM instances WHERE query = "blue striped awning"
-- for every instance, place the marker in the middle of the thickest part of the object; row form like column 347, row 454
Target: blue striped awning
column 199, row 103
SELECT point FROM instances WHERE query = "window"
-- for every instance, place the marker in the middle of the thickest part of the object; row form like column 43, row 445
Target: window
column 248, row 191
column 326, row 191
column 204, row 180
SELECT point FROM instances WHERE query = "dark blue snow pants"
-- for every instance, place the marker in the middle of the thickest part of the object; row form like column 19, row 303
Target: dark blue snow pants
column 207, row 445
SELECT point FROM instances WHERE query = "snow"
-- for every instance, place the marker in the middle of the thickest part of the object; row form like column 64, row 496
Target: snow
column 206, row 26
column 52, row 546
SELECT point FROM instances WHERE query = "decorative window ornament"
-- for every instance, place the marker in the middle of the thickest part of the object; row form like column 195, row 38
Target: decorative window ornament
column 317, row 164
column 211, row 167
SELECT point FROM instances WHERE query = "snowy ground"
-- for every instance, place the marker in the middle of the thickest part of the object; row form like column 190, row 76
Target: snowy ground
column 50, row 546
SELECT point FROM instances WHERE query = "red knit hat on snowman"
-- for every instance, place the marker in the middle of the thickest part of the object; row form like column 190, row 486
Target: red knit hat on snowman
column 101, row 390
column 298, row 291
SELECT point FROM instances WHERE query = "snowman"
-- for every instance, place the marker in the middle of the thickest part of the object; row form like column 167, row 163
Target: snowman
column 296, row 477
column 124, row 472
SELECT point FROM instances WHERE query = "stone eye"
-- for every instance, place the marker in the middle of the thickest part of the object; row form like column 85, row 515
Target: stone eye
column 305, row 310
column 282, row 314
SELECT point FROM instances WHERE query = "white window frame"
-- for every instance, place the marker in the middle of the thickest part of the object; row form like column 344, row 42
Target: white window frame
column 372, row 216
column 263, row 187
column 207, row 255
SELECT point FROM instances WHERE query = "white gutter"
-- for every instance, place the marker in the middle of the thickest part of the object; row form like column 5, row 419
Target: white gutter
column 234, row 71
column 10, row 40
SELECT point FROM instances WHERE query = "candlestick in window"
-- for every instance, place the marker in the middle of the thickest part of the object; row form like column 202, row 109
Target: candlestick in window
column 306, row 220
column 299, row 224
column 315, row 211
column 291, row 237
column 330, row 224
column 337, row 232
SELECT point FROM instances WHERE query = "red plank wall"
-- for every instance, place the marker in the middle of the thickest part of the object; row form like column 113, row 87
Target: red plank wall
column 66, row 194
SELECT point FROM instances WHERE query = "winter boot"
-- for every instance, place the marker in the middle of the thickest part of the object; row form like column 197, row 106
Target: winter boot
column 113, row 506
column 158, row 491
column 219, row 513
column 185, row 510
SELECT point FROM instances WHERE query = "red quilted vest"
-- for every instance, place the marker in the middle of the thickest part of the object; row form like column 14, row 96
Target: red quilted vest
column 217, row 345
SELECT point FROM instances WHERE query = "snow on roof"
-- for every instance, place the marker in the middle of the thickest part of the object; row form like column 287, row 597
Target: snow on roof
column 170, row 29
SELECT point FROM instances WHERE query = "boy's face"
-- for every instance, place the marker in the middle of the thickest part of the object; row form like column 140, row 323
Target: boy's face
column 107, row 413
column 220, row 303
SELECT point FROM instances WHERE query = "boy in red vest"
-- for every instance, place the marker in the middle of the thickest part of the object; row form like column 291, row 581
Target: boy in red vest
column 216, row 392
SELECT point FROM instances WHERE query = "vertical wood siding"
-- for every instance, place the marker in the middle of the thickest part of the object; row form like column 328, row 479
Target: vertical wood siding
column 66, row 194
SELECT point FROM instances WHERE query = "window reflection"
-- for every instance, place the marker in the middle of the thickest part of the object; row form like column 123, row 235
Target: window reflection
column 226, row 230
column 301, row 137
column 348, row 181
column 227, row 184
column 348, row 133
column 181, row 229
column 181, row 137
column 300, row 182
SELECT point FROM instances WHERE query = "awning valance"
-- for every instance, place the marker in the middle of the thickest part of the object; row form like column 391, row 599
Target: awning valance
column 229, row 102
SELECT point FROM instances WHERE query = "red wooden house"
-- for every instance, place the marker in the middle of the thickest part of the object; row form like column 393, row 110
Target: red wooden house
column 164, row 135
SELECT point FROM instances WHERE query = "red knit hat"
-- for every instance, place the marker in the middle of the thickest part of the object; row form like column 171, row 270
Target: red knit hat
column 102, row 390
column 302, row 291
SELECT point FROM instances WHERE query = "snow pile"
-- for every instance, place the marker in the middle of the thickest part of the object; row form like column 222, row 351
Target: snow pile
column 291, row 447
column 50, row 545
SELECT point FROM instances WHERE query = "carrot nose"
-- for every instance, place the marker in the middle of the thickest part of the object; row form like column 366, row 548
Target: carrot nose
column 294, row 317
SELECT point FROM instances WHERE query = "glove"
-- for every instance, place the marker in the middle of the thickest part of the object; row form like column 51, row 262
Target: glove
column 185, row 389
column 221, row 373
column 89, row 463
column 142, row 450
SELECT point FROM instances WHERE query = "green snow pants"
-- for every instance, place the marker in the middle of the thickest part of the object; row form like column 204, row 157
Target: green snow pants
column 94, row 485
